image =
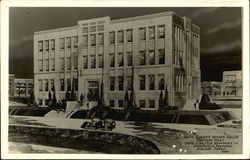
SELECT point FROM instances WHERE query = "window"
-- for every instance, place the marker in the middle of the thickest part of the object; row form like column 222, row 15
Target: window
column 120, row 103
column 161, row 56
column 112, row 103
column 120, row 83
column 112, row 59
column 151, row 82
column 47, row 64
column 129, row 35
column 47, row 45
column 75, row 42
column 46, row 102
column 62, row 84
column 112, row 84
column 40, row 65
column 46, row 83
column 120, row 59
column 40, row 45
column 151, row 32
column 85, row 30
column 52, row 44
column 142, row 34
column 142, row 82
column 40, row 84
column 151, row 57
column 142, row 103
column 120, row 36
column 85, row 40
column 52, row 84
column 75, row 62
column 161, row 81
column 111, row 37
column 68, row 42
column 142, row 58
column 151, row 103
column 129, row 82
column 85, row 62
column 62, row 43
column 92, row 39
column 100, row 61
column 52, row 61
column 93, row 29
column 161, row 32
column 129, row 58
column 40, row 102
column 68, row 61
column 68, row 84
column 62, row 63
column 75, row 82
column 100, row 38
column 100, row 28
column 93, row 61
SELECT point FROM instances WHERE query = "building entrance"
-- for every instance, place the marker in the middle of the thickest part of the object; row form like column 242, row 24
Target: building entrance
column 93, row 91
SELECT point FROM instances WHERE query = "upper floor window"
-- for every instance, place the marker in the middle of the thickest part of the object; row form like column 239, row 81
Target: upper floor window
column 93, row 29
column 142, row 58
column 129, row 59
column 142, row 82
column 129, row 82
column 100, row 60
column 161, row 56
column 92, row 39
column 52, row 44
column 151, row 57
column 40, row 65
column 68, row 42
column 112, row 83
column 129, row 35
column 100, row 38
column 120, row 59
column 142, row 33
column 40, row 45
column 120, row 83
column 75, row 42
column 85, row 30
column 161, row 31
column 75, row 62
column 152, row 32
column 93, row 61
column 46, row 45
column 120, row 36
column 40, row 85
column 85, row 40
column 85, row 62
column 62, row 43
column 161, row 81
column 151, row 82
column 112, row 59
column 111, row 37
column 100, row 28
column 62, row 63
column 68, row 61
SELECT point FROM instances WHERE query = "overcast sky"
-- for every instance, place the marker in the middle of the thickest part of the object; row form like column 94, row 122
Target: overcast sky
column 220, row 33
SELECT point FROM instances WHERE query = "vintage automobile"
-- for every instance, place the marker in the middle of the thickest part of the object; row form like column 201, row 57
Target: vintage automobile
column 104, row 124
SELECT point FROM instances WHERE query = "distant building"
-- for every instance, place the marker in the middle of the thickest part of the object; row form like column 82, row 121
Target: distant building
column 212, row 88
column 19, row 87
column 232, row 83
column 147, row 54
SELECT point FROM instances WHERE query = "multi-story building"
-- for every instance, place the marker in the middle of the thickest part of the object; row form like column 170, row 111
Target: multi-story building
column 212, row 88
column 232, row 83
column 147, row 54
column 20, row 87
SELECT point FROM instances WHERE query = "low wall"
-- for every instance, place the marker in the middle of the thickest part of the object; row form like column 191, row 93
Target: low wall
column 85, row 135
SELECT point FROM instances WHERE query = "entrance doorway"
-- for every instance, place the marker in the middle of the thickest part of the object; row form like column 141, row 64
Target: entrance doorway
column 93, row 91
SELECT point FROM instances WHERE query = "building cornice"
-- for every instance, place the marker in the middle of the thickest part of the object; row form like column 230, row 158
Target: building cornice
column 56, row 30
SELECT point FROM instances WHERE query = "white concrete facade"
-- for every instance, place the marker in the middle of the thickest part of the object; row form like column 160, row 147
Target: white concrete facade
column 152, row 52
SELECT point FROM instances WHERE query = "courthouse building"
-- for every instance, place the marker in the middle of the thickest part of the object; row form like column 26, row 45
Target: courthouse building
column 20, row 87
column 232, row 83
column 147, row 54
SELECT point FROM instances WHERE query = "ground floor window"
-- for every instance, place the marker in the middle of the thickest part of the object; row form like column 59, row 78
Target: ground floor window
column 151, row 103
column 112, row 103
column 40, row 102
column 120, row 103
column 142, row 103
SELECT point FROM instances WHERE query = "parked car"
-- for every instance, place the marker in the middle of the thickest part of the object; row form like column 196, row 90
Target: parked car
column 99, row 124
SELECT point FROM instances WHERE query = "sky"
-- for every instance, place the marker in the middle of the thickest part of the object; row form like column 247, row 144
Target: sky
column 221, row 40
